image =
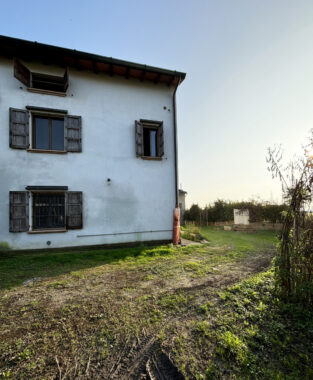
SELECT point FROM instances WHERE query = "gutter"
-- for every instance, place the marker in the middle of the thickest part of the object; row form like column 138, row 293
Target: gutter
column 175, row 141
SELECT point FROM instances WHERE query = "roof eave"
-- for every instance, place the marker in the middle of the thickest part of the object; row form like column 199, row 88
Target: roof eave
column 12, row 47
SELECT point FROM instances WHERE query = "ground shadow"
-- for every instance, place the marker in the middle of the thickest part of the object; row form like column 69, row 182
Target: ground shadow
column 17, row 267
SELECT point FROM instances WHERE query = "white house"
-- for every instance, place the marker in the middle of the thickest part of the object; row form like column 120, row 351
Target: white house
column 88, row 153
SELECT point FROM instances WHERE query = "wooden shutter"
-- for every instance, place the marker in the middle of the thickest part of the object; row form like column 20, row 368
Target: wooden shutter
column 160, row 140
column 74, row 210
column 66, row 79
column 73, row 133
column 139, row 138
column 19, row 128
column 19, row 221
column 22, row 73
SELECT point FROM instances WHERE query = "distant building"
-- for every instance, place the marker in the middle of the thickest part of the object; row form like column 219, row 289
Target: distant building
column 182, row 203
column 241, row 216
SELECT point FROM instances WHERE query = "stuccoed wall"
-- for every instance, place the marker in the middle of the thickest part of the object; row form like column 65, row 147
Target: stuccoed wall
column 141, row 193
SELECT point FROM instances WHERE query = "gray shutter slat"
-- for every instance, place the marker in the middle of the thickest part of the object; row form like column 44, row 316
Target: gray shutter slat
column 139, row 138
column 22, row 73
column 19, row 128
column 160, row 140
column 19, row 221
column 73, row 133
column 74, row 215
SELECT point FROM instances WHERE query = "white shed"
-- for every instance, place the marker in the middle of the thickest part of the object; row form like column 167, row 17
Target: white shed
column 241, row 216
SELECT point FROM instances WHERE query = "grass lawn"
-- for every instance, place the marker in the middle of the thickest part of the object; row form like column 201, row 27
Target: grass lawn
column 204, row 312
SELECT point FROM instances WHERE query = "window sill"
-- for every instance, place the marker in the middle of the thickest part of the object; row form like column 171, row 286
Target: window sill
column 151, row 158
column 46, row 92
column 46, row 151
column 52, row 231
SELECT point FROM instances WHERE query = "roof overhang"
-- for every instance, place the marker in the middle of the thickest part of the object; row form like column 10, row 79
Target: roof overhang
column 48, row 54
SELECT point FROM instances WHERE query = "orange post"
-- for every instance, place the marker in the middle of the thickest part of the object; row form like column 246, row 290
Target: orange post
column 176, row 226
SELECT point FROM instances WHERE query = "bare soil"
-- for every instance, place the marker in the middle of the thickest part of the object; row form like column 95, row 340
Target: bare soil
column 100, row 324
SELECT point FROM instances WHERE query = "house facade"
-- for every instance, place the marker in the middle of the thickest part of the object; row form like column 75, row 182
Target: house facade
column 88, row 151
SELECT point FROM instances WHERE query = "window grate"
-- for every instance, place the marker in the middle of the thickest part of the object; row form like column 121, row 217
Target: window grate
column 48, row 211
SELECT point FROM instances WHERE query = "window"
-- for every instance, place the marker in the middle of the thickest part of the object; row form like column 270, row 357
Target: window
column 45, row 82
column 48, row 133
column 149, row 139
column 48, row 210
column 52, row 131
column 53, row 208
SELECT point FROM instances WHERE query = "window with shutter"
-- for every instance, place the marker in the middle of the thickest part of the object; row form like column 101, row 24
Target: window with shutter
column 41, row 81
column 149, row 139
column 19, row 128
column 52, row 131
column 52, row 211
column 19, row 216
column 74, row 215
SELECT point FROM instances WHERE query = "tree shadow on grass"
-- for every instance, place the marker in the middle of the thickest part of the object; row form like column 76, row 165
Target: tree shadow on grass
column 17, row 267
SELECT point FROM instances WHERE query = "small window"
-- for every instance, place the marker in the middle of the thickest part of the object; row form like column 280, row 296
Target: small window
column 48, row 210
column 38, row 81
column 48, row 133
column 47, row 82
column 149, row 139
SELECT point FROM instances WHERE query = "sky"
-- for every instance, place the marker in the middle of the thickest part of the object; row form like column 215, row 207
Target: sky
column 249, row 83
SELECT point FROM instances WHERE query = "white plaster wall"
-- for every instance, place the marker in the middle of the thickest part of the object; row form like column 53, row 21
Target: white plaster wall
column 241, row 216
column 141, row 194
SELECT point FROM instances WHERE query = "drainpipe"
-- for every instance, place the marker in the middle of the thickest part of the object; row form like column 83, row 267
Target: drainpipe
column 176, row 216
column 175, row 142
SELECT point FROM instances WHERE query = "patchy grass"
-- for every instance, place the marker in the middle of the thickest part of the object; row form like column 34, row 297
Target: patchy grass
column 238, row 241
column 15, row 267
column 204, row 306
column 191, row 232
column 246, row 333
column 18, row 267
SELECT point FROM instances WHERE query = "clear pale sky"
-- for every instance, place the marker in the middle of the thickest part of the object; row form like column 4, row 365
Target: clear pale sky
column 249, row 83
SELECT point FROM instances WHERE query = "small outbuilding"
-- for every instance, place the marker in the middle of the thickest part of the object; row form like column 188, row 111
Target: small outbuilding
column 241, row 216
column 182, row 203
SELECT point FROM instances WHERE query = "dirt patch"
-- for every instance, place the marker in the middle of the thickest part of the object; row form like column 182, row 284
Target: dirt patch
column 106, row 322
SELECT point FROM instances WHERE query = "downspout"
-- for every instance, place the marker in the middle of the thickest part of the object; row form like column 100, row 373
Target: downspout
column 176, row 215
column 175, row 142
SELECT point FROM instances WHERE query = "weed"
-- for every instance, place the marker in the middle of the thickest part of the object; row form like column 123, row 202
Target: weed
column 174, row 301
column 203, row 329
column 58, row 285
column 231, row 346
